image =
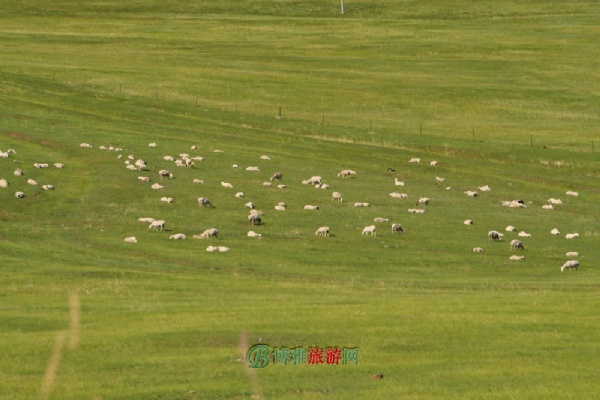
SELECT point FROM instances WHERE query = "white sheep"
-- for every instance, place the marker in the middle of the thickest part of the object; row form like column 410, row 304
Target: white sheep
column 468, row 222
column 311, row 207
column 516, row 258
column 322, row 231
column 226, row 185
column 169, row 158
column 130, row 239
column 280, row 208
column 203, row 201
column 239, row 195
column 254, row 219
column 572, row 254
column 281, row 186
column 516, row 244
column 131, row 167
column 361, row 204
column 433, row 163
column 524, row 234
column 552, row 200
column 415, row 160
column 397, row 228
column 144, row 178
column 399, row 195
column 380, row 219
column 177, row 236
column 4, row 183
column 477, row 250
column 510, row 228
column 140, row 164
column 157, row 225
column 570, row 265
column 314, row 180
column 369, row 230
column 87, row 145
column 253, row 169
column 48, row 187
column 20, row 195
column 571, row 235
column 485, row 188
column 548, row 207
column 265, row 157
column 152, row 145
column 18, row 172
column 322, row 186
column 346, row 173
column 207, row 234
column 571, row 193
column 267, row 184
column 166, row 199
column 254, row 234
column 416, row 211
column 440, row 179
column 423, row 200
column 471, row 193
column 157, row 186
column 212, row 248
column 555, row 231
column 398, row 182
column 163, row 173
column 250, row 205
column 337, row 196
column 276, row 175
column 223, row 249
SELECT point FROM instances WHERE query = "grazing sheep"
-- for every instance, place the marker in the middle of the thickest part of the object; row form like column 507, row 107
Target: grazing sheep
column 398, row 182
column 485, row 188
column 157, row 186
column 422, row 200
column 177, row 236
column 495, row 235
column 440, row 179
column 379, row 219
column 315, row 180
column 280, row 186
column 48, row 187
column 267, row 184
column 276, row 175
column 572, row 254
column 144, row 178
column 524, row 234
column 415, row 160
column 41, row 165
column 130, row 239
column 516, row 258
column 571, row 235
column 131, row 167
column 254, row 235
column 471, row 193
column 239, row 195
column 20, row 195
column 189, row 163
column 4, row 183
column 180, row 163
column 570, row 265
column 322, row 231
column 265, row 157
column 548, row 207
column 209, row 233
column 468, row 222
column 223, row 249
column 200, row 181
column 250, row 205
column 87, row 145
column 397, row 228
column 337, row 196
column 416, row 211
column 203, row 201
column 555, row 231
column 309, row 207
column 144, row 219
column 18, row 172
column 322, row 186
column 163, row 173
column 212, row 248
column 254, row 219
column 280, row 208
column 152, row 145
column 399, row 195
column 433, row 163
column 346, row 173
column 157, row 225
column 140, row 164
column 510, row 228
column 369, row 230
column 571, row 193
column 253, row 169
column 169, row 158
column 235, row 166
column 477, row 250
column 361, row 204
column 516, row 244
column 226, row 185
column 166, row 199
column 552, row 200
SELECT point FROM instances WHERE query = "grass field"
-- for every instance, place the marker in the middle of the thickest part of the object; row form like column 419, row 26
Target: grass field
column 500, row 94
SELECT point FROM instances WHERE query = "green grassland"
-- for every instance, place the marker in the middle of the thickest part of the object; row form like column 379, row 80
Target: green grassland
column 503, row 94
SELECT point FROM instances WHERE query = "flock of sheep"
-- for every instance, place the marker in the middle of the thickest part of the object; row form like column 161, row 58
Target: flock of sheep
column 254, row 218
column 20, row 179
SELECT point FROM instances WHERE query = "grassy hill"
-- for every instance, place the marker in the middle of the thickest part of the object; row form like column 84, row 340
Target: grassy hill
column 504, row 95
